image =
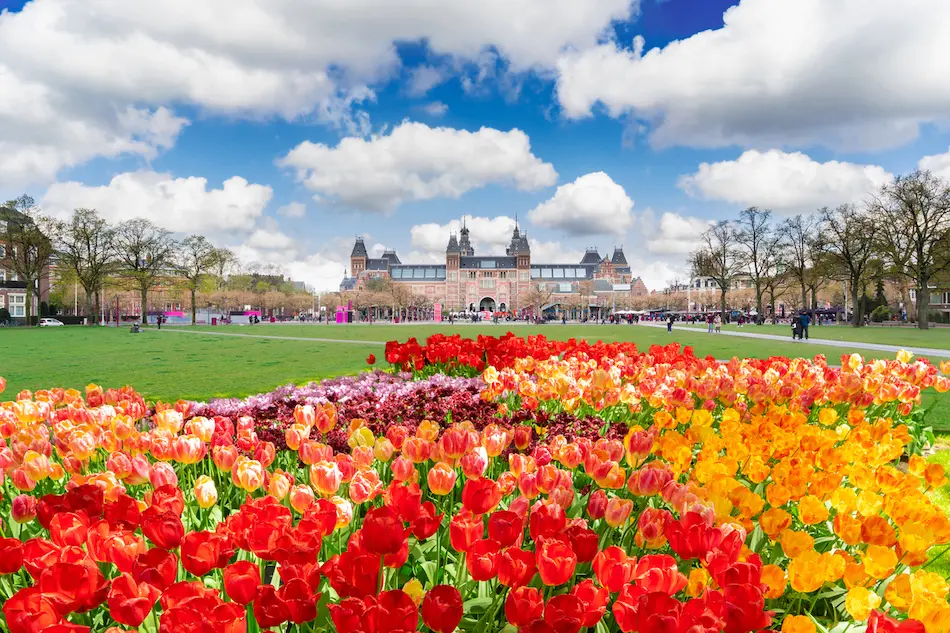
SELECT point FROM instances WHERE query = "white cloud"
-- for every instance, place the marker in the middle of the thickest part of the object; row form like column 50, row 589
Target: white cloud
column 553, row 253
column 784, row 182
column 590, row 205
column 269, row 240
column 182, row 205
column 425, row 78
column 435, row 108
column 939, row 164
column 247, row 58
column 293, row 210
column 489, row 236
column 657, row 274
column 677, row 234
column 841, row 73
column 417, row 162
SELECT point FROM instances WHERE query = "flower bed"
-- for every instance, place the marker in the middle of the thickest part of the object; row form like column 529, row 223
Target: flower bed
column 601, row 489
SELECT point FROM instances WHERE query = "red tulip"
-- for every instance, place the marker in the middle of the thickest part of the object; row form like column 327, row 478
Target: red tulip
column 157, row 567
column 184, row 593
column 658, row 572
column 482, row 560
column 11, row 555
column 23, row 509
column 556, row 561
column 597, row 505
column 203, row 551
column 269, row 609
column 349, row 615
column 584, row 542
column 241, row 580
column 564, row 613
column 464, row 530
column 880, row 623
column 383, row 531
column 614, row 568
column 523, row 437
column 692, row 536
column 594, row 599
column 163, row 528
column 73, row 587
column 130, row 602
column 123, row 513
column 427, row 522
column 523, row 606
column 169, row 499
column 395, row 611
column 300, row 599
column 68, row 529
column 442, row 608
column 481, row 495
column 506, row 527
column 546, row 519
column 371, row 359
column 29, row 611
column 516, row 567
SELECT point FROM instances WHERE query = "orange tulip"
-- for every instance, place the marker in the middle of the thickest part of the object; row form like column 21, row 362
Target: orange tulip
column 441, row 479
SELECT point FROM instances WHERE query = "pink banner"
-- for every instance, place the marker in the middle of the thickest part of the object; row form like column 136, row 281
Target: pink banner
column 437, row 308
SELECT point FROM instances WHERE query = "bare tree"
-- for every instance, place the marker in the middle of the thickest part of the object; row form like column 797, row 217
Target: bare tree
column 756, row 237
column 146, row 255
column 915, row 209
column 538, row 297
column 27, row 239
column 800, row 236
column 719, row 258
column 86, row 246
column 225, row 262
column 848, row 236
column 195, row 260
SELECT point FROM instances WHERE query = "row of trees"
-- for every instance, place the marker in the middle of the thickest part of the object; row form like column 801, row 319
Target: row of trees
column 136, row 255
column 902, row 233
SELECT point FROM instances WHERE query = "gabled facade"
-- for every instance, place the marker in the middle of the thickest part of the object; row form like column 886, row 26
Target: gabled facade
column 495, row 282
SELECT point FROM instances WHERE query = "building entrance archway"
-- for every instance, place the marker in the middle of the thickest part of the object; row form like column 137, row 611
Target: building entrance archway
column 502, row 307
column 486, row 305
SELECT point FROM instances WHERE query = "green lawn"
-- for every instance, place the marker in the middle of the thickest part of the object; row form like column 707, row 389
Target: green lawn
column 175, row 364
column 934, row 338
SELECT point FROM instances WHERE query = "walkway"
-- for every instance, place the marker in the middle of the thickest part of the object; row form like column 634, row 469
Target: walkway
column 276, row 338
column 853, row 345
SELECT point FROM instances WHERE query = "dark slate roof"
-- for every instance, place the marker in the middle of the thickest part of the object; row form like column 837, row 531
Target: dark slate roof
column 359, row 249
column 591, row 257
column 391, row 256
column 602, row 285
column 622, row 270
column 453, row 246
column 348, row 283
column 618, row 258
column 488, row 262
column 568, row 272
column 377, row 264
column 418, row 272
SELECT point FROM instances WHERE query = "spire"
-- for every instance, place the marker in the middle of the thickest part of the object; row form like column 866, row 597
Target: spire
column 464, row 244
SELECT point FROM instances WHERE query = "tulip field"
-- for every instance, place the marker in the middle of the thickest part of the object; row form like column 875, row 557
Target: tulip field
column 486, row 484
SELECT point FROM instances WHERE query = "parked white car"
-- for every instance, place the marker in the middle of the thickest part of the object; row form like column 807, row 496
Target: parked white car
column 46, row 322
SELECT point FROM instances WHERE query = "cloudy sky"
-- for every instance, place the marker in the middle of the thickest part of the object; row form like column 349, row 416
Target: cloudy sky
column 284, row 128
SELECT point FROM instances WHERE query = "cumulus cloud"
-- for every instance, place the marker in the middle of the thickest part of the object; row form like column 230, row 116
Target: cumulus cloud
column 293, row 210
column 676, row 234
column 417, row 162
column 489, row 236
column 435, row 108
column 590, row 205
column 553, row 252
column 245, row 58
column 778, row 73
column 182, row 205
column 784, row 182
column 939, row 164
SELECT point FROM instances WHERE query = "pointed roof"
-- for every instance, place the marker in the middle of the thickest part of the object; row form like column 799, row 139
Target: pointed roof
column 359, row 249
column 619, row 259
column 464, row 244
column 591, row 257
column 453, row 246
column 391, row 255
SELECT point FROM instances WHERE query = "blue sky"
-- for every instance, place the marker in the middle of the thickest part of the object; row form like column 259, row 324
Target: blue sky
column 284, row 129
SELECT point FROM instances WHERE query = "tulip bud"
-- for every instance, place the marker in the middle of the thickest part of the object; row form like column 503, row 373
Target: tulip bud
column 205, row 492
column 618, row 511
column 301, row 497
column 597, row 504
column 441, row 478
column 383, row 450
column 24, row 508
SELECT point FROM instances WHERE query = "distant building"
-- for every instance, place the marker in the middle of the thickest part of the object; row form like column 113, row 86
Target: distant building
column 498, row 282
column 12, row 288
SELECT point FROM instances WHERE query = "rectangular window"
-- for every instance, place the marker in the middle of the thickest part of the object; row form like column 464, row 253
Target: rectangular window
column 3, row 275
column 397, row 273
column 419, row 273
column 453, row 276
column 17, row 305
column 503, row 275
column 558, row 273
column 472, row 274
column 486, row 283
column 545, row 273
column 488, row 263
column 430, row 273
column 524, row 275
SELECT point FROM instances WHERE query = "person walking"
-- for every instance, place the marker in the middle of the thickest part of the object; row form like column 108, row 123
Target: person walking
column 709, row 323
column 669, row 324
column 804, row 330
column 718, row 323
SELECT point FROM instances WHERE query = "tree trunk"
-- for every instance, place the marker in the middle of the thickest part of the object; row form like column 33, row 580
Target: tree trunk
column 28, row 308
column 194, row 309
column 905, row 299
column 804, row 296
column 814, row 297
column 923, row 303
column 858, row 318
column 771, row 304
column 758, row 299
column 722, row 303
column 144, row 305
column 90, row 296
